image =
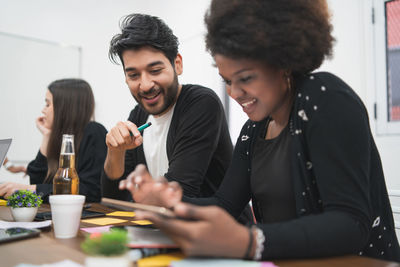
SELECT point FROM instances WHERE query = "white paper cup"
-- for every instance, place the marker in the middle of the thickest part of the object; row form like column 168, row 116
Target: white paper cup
column 66, row 213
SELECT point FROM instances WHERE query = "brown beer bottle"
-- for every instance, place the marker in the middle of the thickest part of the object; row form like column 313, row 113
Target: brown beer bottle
column 66, row 180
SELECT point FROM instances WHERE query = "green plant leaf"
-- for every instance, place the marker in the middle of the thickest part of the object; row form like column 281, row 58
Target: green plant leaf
column 107, row 244
column 24, row 198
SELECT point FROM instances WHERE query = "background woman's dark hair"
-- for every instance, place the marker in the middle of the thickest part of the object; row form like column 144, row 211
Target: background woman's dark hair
column 73, row 104
column 293, row 35
column 139, row 30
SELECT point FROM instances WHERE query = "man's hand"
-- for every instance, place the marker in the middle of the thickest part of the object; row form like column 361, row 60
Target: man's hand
column 7, row 189
column 120, row 139
column 146, row 190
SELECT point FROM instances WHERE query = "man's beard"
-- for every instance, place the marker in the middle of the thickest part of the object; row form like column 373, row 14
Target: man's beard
column 169, row 97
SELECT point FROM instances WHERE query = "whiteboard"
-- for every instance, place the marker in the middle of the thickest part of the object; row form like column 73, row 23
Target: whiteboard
column 27, row 67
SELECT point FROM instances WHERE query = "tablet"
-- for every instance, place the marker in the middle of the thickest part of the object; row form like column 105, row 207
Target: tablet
column 42, row 216
column 17, row 233
column 114, row 203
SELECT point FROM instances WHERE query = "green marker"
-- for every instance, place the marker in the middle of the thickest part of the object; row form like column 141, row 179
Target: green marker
column 141, row 128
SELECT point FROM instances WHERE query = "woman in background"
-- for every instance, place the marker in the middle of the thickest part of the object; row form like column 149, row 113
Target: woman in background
column 69, row 109
column 306, row 158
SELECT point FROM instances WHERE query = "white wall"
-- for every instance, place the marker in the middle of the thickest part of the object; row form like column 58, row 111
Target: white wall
column 21, row 79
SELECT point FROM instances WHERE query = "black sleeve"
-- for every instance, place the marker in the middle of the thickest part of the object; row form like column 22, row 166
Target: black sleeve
column 37, row 169
column 92, row 153
column 234, row 193
column 197, row 136
column 110, row 187
column 44, row 190
column 338, row 139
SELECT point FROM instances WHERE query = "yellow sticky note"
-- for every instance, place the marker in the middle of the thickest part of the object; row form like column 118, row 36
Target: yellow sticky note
column 104, row 221
column 160, row 260
column 3, row 202
column 142, row 222
column 122, row 213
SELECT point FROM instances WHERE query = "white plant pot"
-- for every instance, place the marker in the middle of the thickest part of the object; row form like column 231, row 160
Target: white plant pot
column 112, row 261
column 25, row 214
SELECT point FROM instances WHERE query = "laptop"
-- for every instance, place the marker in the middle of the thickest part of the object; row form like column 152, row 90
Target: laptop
column 4, row 146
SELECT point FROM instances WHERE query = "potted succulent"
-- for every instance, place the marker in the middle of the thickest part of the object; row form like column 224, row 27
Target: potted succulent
column 24, row 205
column 107, row 249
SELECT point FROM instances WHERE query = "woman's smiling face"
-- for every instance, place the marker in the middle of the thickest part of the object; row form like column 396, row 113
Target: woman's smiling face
column 259, row 90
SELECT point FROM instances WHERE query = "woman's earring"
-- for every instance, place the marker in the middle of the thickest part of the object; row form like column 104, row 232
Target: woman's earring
column 289, row 83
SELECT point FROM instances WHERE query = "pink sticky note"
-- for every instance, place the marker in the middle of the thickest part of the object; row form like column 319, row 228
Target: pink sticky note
column 268, row 264
column 100, row 229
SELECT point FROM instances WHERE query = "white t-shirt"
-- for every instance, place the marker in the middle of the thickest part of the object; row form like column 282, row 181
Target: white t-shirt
column 155, row 143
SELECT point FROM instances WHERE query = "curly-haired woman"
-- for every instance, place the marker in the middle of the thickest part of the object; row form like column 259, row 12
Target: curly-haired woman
column 306, row 158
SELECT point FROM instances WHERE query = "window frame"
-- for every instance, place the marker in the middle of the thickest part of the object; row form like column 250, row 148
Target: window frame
column 383, row 125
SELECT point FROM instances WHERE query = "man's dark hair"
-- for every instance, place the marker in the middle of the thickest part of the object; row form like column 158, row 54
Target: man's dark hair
column 293, row 35
column 140, row 30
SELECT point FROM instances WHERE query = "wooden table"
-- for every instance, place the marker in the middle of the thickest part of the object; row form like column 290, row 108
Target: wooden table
column 47, row 249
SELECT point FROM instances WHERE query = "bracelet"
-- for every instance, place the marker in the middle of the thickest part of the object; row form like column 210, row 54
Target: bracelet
column 260, row 239
column 8, row 164
column 250, row 245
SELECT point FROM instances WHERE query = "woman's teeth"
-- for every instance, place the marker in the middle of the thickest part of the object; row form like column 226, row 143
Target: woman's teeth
column 248, row 103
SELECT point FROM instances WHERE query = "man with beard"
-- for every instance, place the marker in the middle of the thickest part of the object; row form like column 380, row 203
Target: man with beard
column 188, row 141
